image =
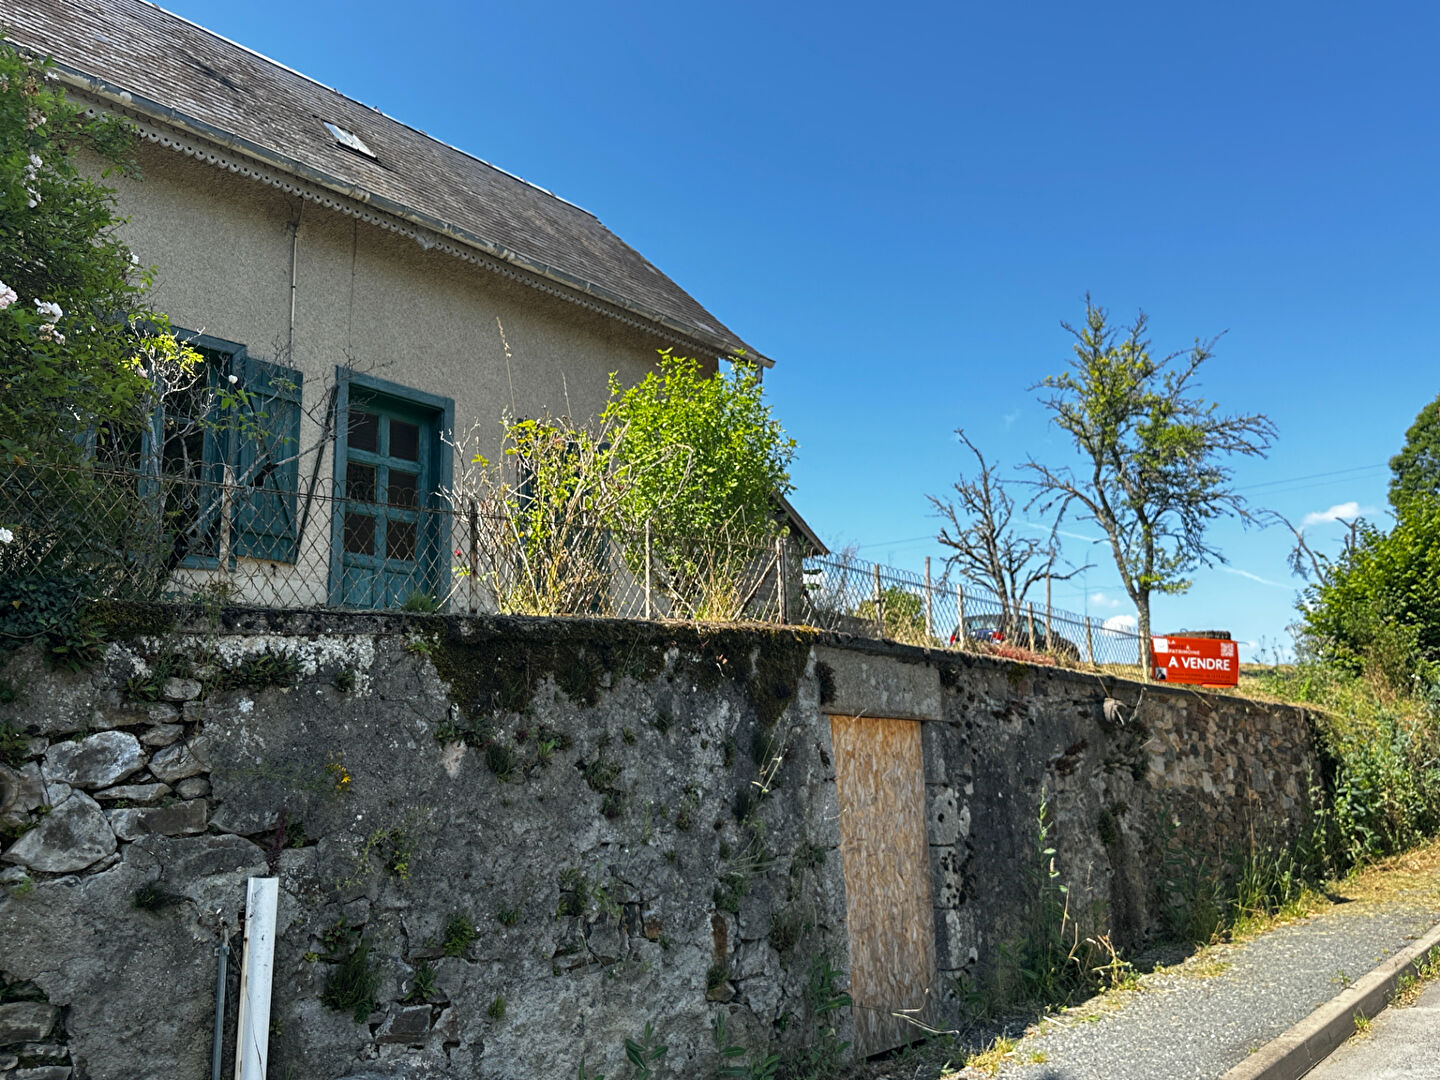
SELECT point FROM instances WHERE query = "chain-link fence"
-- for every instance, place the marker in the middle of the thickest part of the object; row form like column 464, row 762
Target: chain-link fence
column 73, row 533
column 870, row 600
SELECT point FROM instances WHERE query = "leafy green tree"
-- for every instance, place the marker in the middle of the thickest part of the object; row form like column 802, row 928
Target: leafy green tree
column 83, row 364
column 1415, row 470
column 902, row 614
column 1374, row 607
column 1154, row 473
column 78, row 345
column 701, row 461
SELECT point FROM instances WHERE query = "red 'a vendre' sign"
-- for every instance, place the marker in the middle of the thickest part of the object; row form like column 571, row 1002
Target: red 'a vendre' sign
column 1207, row 661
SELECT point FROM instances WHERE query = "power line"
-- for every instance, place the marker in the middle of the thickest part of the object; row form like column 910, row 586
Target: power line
column 885, row 543
column 1313, row 476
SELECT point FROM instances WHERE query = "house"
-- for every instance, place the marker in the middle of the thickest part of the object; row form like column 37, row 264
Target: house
column 378, row 292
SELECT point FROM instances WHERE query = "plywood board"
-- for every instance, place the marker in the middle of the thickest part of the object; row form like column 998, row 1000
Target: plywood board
column 880, row 779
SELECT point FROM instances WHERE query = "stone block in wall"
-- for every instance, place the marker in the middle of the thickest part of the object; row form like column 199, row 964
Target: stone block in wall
column 956, row 941
column 100, row 761
column 26, row 1021
column 180, row 689
column 134, row 793
column 869, row 685
column 71, row 837
column 947, row 882
column 175, row 763
column 944, row 823
column 405, row 1024
column 182, row 819
column 163, row 734
column 193, row 787
column 31, row 791
column 43, row 1072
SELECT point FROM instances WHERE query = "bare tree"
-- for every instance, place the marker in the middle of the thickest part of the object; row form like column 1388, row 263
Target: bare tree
column 1304, row 561
column 988, row 549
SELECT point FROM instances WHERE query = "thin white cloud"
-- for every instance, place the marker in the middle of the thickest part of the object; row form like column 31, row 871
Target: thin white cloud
column 1121, row 624
column 1010, row 418
column 1100, row 599
column 1346, row 511
column 1061, row 532
column 1252, row 577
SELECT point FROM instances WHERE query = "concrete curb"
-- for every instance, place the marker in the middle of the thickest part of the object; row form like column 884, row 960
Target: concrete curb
column 1293, row 1054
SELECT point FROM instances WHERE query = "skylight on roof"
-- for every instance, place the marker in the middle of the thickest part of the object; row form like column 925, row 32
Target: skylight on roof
column 348, row 139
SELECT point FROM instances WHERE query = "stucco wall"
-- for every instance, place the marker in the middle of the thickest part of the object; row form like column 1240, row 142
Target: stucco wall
column 364, row 296
column 407, row 752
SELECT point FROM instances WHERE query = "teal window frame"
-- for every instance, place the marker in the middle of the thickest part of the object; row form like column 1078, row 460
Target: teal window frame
column 263, row 523
column 352, row 387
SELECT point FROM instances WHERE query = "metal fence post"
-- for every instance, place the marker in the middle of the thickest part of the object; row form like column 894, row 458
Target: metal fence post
column 474, row 558
column 648, row 608
column 1089, row 640
column 961, row 636
column 227, row 496
column 929, row 605
column 879, row 613
column 1030, row 612
column 1049, row 618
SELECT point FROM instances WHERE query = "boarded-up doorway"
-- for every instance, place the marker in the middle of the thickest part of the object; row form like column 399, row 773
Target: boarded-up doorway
column 880, row 780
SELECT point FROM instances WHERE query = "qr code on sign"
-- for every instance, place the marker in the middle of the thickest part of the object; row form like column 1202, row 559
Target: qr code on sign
column 1227, row 648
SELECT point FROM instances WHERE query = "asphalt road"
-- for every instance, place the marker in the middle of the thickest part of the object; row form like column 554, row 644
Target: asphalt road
column 1403, row 1044
column 1182, row 1026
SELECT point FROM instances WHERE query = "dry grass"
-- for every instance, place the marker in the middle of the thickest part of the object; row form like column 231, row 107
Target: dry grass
column 1204, row 967
column 1410, row 986
column 988, row 1062
column 1413, row 877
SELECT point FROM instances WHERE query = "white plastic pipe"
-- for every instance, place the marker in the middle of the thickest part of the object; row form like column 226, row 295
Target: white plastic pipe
column 257, row 969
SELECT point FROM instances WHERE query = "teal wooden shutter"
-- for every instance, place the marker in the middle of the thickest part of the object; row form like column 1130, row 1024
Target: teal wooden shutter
column 267, row 466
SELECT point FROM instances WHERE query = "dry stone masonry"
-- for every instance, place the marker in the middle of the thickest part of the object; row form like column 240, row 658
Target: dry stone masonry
column 504, row 845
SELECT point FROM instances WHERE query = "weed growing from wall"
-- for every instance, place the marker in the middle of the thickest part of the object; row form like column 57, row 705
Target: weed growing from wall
column 422, row 985
column 354, row 982
column 14, row 745
column 459, row 934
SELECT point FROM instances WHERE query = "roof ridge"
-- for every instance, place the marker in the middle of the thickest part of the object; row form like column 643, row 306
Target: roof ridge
column 338, row 93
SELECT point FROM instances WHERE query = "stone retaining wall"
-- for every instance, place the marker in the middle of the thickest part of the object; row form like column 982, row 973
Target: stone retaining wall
column 536, row 836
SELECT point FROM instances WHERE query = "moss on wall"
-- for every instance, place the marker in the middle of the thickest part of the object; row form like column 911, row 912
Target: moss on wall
column 491, row 668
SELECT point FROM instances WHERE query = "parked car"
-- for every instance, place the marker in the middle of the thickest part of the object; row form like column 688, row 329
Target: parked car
column 991, row 628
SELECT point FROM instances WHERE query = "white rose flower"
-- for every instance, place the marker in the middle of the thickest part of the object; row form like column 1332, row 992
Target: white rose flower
column 7, row 296
column 49, row 310
column 6, row 536
column 232, row 379
column 35, row 161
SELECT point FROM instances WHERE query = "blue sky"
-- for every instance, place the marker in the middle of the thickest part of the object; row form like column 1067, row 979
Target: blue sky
column 900, row 203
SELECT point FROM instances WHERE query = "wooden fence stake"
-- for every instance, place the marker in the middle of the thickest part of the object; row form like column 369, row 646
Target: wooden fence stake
column 648, row 608
column 879, row 613
column 780, row 583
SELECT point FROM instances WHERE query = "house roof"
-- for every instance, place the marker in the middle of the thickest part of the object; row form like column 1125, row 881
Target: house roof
column 170, row 71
